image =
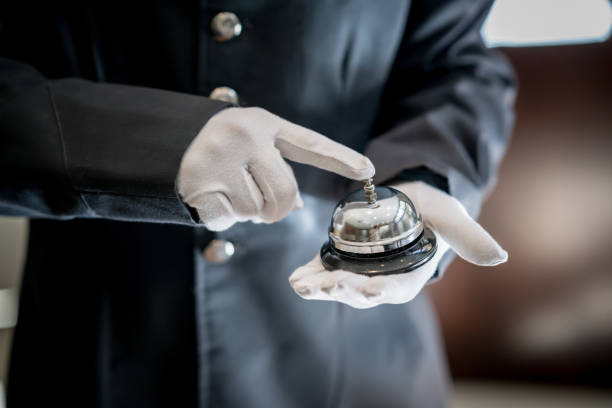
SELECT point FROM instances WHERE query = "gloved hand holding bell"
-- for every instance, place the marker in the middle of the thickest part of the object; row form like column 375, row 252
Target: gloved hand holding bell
column 385, row 249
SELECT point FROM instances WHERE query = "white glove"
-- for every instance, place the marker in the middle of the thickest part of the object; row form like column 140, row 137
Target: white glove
column 234, row 169
column 454, row 229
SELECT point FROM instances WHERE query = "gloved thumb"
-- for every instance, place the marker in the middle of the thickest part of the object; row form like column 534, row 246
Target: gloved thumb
column 305, row 146
column 447, row 216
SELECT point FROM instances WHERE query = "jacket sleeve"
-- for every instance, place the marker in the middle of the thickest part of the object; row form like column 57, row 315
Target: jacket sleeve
column 73, row 148
column 448, row 103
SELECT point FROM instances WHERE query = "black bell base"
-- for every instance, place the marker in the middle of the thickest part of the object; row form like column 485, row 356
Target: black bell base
column 401, row 260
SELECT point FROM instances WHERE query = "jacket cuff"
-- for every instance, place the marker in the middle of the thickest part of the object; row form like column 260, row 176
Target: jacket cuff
column 131, row 175
column 423, row 174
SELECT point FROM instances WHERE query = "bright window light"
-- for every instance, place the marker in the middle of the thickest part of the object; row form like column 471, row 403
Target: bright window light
column 520, row 23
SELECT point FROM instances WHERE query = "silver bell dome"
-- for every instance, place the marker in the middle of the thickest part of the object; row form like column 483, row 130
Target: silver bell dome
column 377, row 231
column 363, row 226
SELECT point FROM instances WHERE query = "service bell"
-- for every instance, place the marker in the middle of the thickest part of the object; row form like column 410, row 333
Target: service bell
column 377, row 231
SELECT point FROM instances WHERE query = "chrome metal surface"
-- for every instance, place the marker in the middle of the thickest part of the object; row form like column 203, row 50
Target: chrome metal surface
column 360, row 226
column 225, row 26
column 219, row 251
column 225, row 94
column 400, row 260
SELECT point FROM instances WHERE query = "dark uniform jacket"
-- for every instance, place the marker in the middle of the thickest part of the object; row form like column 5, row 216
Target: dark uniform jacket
column 119, row 307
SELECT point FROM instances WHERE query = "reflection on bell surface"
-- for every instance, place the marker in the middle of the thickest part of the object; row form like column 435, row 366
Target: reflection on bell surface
column 377, row 231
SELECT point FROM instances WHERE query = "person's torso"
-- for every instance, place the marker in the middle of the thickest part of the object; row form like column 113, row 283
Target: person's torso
column 321, row 64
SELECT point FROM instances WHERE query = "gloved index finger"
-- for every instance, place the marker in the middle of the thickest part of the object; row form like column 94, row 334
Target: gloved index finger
column 305, row 146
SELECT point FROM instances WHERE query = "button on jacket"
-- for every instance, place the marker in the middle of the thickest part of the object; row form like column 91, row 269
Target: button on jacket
column 126, row 299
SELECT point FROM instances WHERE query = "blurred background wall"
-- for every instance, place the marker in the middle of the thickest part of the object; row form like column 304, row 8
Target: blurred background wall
column 546, row 315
